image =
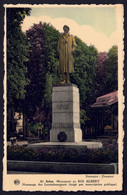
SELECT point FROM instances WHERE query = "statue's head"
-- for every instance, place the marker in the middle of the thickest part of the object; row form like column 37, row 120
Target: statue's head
column 66, row 28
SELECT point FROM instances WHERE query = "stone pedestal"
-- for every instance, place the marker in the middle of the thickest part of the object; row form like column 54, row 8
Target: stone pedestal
column 65, row 114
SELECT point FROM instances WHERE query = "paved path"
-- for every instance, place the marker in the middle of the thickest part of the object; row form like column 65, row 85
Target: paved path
column 20, row 143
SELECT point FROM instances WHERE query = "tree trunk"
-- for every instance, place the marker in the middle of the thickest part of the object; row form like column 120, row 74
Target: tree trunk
column 24, row 126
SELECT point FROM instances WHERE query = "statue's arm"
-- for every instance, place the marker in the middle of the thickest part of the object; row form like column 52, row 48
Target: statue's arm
column 74, row 45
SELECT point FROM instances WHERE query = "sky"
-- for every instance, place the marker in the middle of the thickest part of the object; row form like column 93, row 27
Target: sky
column 94, row 25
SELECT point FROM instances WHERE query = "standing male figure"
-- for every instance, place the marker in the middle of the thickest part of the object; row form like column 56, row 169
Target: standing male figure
column 66, row 47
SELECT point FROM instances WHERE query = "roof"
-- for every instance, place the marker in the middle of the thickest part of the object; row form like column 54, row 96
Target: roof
column 106, row 100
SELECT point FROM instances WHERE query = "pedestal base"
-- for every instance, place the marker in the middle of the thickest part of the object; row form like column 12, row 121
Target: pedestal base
column 65, row 114
column 66, row 145
column 68, row 135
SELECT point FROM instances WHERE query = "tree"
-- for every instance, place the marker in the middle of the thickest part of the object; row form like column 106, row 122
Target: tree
column 85, row 65
column 17, row 55
column 100, row 83
column 106, row 72
column 42, row 67
column 51, row 36
column 42, row 72
column 112, row 70
column 35, row 70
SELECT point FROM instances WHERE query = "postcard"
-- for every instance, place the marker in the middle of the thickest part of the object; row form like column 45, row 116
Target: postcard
column 63, row 97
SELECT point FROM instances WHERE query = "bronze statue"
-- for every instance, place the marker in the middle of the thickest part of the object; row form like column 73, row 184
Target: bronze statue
column 66, row 47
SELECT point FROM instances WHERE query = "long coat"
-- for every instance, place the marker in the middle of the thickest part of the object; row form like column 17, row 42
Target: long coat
column 66, row 46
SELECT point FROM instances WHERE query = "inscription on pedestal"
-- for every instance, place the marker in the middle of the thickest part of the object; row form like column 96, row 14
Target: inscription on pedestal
column 65, row 125
column 62, row 106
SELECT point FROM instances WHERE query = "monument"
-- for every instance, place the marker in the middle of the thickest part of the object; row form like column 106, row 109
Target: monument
column 65, row 97
column 66, row 131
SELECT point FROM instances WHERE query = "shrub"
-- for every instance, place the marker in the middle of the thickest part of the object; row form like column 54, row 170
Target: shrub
column 107, row 154
column 71, row 155
column 49, row 154
column 21, row 153
column 35, row 128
